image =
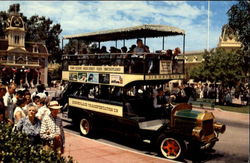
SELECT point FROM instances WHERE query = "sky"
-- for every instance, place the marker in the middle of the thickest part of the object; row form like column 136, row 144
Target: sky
column 91, row 16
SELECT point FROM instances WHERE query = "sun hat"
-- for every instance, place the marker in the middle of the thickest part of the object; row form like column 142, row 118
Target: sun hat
column 54, row 105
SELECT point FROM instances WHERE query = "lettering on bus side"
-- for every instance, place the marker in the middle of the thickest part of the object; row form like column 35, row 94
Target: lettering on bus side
column 162, row 77
column 96, row 106
column 106, row 69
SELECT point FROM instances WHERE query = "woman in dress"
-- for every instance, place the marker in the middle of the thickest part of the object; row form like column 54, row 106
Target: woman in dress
column 30, row 125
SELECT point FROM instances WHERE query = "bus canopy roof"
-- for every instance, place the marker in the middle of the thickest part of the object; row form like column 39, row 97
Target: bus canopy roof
column 141, row 31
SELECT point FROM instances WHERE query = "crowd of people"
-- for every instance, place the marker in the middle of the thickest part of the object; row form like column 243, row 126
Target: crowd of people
column 34, row 115
column 220, row 94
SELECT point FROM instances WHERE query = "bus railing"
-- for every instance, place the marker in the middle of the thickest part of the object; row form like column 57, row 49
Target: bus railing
column 134, row 63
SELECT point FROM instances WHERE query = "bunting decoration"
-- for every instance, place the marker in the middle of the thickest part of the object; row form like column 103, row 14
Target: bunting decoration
column 27, row 70
column 4, row 69
column 14, row 70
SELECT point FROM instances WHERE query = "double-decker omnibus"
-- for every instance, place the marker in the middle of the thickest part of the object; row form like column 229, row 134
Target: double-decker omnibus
column 114, row 91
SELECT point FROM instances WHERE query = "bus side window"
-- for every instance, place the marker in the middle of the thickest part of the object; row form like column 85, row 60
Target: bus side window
column 81, row 92
column 93, row 92
column 116, row 94
column 104, row 92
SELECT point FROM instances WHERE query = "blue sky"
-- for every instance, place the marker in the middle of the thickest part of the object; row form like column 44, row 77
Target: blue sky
column 85, row 16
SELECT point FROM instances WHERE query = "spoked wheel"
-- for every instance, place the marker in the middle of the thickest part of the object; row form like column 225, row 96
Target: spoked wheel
column 171, row 147
column 85, row 127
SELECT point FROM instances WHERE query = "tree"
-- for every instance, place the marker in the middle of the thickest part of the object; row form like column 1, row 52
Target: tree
column 38, row 29
column 219, row 66
column 42, row 29
column 239, row 21
column 77, row 45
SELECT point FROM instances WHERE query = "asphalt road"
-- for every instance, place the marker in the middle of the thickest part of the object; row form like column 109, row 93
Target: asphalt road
column 234, row 143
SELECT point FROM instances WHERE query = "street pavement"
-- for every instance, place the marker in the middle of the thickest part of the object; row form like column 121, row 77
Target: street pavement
column 85, row 150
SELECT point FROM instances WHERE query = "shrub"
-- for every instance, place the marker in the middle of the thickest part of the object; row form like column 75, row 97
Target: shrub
column 16, row 147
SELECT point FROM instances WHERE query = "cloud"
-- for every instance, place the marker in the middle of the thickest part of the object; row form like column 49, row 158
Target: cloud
column 86, row 16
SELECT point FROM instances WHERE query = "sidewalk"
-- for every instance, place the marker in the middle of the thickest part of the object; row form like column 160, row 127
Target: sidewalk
column 85, row 150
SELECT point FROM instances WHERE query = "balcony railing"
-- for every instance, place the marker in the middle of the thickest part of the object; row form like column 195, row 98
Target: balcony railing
column 13, row 62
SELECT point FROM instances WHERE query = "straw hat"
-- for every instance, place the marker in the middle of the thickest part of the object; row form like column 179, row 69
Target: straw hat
column 54, row 105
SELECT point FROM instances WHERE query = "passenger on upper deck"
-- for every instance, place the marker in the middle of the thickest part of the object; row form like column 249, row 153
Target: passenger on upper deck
column 124, row 49
column 84, row 51
column 168, row 55
column 114, row 50
column 177, row 51
column 131, row 49
column 147, row 49
column 103, row 49
column 140, row 47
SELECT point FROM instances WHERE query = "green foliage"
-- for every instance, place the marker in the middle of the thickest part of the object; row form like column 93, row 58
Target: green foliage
column 220, row 66
column 56, row 73
column 40, row 28
column 73, row 45
column 239, row 21
column 238, row 109
column 15, row 147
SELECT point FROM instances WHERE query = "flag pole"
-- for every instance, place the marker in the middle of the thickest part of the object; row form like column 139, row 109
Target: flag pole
column 208, row 23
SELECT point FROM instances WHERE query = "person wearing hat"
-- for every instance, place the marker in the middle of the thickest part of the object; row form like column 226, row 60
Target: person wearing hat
column 52, row 129
column 160, row 102
column 42, row 108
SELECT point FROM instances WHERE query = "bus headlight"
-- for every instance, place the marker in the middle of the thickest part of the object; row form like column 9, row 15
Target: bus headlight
column 197, row 132
column 219, row 127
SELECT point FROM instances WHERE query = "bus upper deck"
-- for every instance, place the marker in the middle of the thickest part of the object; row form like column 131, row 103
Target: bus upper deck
column 129, row 66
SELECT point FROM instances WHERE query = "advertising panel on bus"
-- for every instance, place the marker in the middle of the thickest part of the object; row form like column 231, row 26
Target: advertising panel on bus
column 96, row 106
column 99, row 69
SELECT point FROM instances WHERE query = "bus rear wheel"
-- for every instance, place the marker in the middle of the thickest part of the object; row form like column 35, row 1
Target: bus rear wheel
column 85, row 127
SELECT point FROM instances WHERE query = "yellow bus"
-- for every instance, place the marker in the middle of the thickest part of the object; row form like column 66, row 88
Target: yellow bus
column 117, row 92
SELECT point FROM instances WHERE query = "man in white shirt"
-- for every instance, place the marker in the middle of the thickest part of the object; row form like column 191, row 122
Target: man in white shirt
column 8, row 101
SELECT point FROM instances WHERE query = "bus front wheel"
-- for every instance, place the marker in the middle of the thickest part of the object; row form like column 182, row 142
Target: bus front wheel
column 171, row 147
